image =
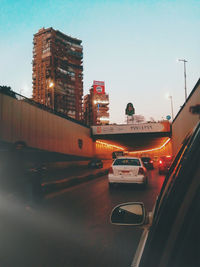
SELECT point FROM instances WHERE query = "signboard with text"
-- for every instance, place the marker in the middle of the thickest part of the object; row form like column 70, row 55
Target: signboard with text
column 132, row 128
column 99, row 87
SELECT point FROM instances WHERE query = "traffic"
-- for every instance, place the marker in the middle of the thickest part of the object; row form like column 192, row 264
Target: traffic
column 64, row 202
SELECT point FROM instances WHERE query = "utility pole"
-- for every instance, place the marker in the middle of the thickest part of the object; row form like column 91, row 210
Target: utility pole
column 184, row 63
column 170, row 97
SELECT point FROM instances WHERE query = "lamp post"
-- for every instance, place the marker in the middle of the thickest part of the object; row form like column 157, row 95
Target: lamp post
column 184, row 64
column 170, row 97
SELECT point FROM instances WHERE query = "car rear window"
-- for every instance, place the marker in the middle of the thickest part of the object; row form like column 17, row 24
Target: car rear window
column 132, row 162
column 146, row 159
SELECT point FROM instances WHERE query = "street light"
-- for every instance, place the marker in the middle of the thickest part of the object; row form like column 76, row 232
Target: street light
column 184, row 61
column 170, row 97
column 172, row 112
column 51, row 85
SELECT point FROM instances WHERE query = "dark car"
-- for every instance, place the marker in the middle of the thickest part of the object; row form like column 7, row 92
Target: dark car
column 171, row 231
column 95, row 163
column 164, row 164
column 148, row 163
column 116, row 154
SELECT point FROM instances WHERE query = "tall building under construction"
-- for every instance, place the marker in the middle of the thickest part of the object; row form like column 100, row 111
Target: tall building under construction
column 58, row 72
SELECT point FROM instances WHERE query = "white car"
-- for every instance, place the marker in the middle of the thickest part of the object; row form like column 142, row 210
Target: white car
column 127, row 170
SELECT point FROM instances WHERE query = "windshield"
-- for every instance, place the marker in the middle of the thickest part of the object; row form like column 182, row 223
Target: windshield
column 83, row 110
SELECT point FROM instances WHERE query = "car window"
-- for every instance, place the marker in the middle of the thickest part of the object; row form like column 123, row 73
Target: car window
column 186, row 249
column 173, row 195
column 132, row 162
column 175, row 166
column 145, row 159
column 183, row 244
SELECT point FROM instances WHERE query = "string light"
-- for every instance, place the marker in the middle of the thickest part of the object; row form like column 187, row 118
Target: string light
column 153, row 149
column 109, row 145
column 133, row 152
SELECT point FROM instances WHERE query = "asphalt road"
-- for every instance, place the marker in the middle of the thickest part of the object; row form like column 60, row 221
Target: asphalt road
column 71, row 228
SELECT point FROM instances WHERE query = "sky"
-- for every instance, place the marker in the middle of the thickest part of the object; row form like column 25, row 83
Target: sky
column 132, row 45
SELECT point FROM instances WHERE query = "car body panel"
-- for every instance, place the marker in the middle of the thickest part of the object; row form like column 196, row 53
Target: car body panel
column 127, row 180
column 140, row 248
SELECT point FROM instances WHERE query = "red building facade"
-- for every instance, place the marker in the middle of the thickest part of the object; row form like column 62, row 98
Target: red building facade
column 58, row 72
column 96, row 105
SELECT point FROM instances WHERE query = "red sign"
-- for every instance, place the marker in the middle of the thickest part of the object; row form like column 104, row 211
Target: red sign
column 99, row 87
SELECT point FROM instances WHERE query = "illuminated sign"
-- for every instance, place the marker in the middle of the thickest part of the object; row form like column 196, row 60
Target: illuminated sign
column 132, row 128
column 99, row 87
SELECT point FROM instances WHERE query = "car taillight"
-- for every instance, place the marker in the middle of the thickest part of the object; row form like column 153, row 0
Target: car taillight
column 110, row 170
column 141, row 170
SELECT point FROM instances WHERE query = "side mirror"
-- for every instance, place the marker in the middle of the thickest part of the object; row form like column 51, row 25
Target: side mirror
column 132, row 213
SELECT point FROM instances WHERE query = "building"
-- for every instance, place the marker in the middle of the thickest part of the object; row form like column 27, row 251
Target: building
column 58, row 72
column 96, row 105
column 87, row 110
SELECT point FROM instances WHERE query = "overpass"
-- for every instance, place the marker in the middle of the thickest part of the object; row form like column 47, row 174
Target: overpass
column 134, row 137
column 51, row 136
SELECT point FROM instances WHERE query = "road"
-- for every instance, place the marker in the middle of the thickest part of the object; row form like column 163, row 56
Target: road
column 71, row 228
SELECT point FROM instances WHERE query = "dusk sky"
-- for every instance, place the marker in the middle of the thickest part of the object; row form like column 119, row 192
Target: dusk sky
column 132, row 45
